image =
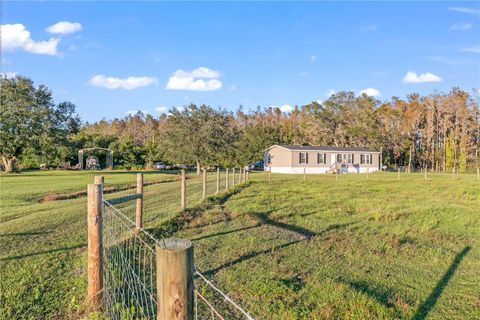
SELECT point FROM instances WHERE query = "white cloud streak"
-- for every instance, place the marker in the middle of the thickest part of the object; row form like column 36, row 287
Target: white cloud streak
column 17, row 37
column 118, row 83
column 413, row 77
column 474, row 49
column 200, row 79
column 461, row 26
column 465, row 10
column 161, row 109
column 64, row 27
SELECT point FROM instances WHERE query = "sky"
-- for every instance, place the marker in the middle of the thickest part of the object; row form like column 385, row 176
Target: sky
column 111, row 59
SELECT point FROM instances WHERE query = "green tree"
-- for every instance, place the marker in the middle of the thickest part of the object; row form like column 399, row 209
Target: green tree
column 198, row 135
column 32, row 127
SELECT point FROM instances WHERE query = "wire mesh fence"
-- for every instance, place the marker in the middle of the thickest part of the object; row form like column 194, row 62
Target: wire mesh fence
column 129, row 284
column 129, row 251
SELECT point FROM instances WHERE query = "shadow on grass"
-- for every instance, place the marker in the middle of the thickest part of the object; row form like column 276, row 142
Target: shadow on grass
column 430, row 302
column 307, row 234
column 171, row 226
column 43, row 252
column 22, row 234
column 379, row 295
column 225, row 232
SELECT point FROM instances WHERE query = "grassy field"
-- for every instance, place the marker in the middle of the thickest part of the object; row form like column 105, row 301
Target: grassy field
column 355, row 248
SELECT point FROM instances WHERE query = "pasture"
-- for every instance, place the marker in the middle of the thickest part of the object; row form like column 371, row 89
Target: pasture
column 346, row 248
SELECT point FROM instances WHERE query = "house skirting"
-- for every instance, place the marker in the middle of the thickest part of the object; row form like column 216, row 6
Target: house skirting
column 315, row 170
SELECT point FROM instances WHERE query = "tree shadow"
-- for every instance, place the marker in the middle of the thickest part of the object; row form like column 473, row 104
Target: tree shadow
column 379, row 295
column 43, row 252
column 21, row 234
column 225, row 232
column 424, row 309
column 305, row 233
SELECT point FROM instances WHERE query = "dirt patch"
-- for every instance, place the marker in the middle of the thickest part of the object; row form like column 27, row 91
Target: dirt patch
column 106, row 190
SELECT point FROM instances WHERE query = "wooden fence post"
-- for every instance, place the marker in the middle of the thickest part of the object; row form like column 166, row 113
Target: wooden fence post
column 182, row 191
column 270, row 174
column 478, row 173
column 425, row 173
column 304, row 174
column 204, row 183
column 94, row 223
column 139, row 203
column 218, row 180
column 175, row 270
column 99, row 180
column 244, row 174
column 368, row 171
column 233, row 172
column 247, row 176
column 226, row 179
column 398, row 173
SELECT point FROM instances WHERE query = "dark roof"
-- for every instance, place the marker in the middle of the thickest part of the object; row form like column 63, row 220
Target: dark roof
column 321, row 148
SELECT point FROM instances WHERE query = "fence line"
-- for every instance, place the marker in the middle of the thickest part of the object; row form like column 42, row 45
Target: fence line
column 129, row 276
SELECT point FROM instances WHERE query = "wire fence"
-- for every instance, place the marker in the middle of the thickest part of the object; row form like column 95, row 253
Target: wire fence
column 129, row 251
column 129, row 283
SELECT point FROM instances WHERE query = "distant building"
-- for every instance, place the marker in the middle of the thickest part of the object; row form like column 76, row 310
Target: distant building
column 314, row 159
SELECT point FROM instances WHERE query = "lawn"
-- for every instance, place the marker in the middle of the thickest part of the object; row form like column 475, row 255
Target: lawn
column 352, row 248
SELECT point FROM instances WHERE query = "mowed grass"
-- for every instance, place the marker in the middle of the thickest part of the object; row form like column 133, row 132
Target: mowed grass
column 288, row 249
column 355, row 248
column 43, row 245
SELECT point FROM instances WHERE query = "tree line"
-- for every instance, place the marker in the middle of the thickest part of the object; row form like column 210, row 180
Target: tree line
column 440, row 131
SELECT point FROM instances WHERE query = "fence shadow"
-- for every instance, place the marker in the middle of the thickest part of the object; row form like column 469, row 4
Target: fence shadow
column 424, row 309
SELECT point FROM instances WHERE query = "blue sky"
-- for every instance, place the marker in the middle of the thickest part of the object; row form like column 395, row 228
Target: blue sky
column 112, row 58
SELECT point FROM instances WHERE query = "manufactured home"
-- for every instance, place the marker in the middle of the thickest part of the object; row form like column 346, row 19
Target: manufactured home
column 316, row 159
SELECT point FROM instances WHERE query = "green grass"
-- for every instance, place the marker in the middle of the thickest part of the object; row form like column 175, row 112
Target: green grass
column 347, row 249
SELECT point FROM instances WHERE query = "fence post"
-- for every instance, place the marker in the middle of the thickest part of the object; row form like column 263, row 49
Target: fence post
column 478, row 173
column 270, row 174
column 425, row 173
column 99, row 179
column 247, row 176
column 226, row 179
column 304, row 174
column 233, row 172
column 398, row 173
column 182, row 191
column 175, row 270
column 218, row 180
column 204, row 183
column 368, row 171
column 139, row 203
column 244, row 175
column 94, row 223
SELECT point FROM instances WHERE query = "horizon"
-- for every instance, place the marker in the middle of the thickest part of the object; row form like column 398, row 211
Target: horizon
column 112, row 60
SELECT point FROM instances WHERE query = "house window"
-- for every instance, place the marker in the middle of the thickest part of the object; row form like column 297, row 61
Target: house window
column 350, row 158
column 321, row 158
column 339, row 157
column 303, row 157
column 366, row 159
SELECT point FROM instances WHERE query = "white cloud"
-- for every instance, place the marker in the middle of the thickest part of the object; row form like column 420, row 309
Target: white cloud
column 286, row 108
column 17, row 37
column 118, row 83
column 372, row 92
column 475, row 49
column 370, row 28
column 9, row 75
column 135, row 112
column 64, row 27
column 413, row 77
column 161, row 109
column 330, row 92
column 465, row 10
column 461, row 26
column 200, row 79
column 313, row 58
